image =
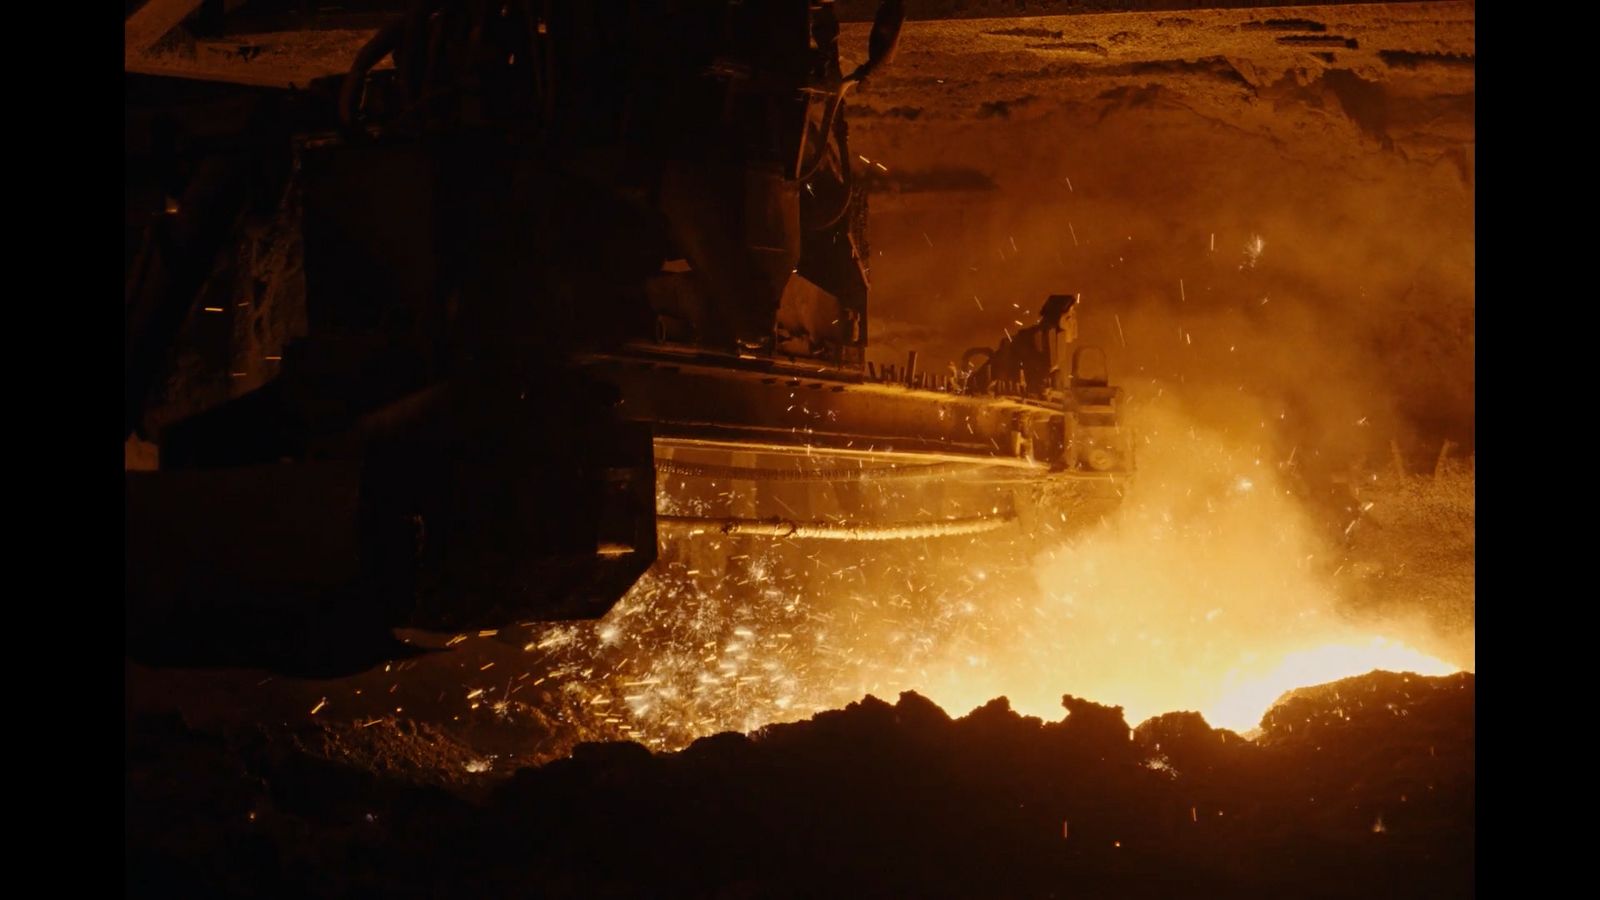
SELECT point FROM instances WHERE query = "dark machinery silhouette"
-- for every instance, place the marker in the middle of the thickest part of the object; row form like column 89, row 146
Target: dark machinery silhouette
column 545, row 250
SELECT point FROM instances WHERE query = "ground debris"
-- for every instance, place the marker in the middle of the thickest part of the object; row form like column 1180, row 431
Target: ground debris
column 876, row 799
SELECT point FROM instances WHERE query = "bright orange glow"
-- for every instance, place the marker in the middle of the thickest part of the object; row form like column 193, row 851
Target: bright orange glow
column 1210, row 589
column 1247, row 697
column 1242, row 695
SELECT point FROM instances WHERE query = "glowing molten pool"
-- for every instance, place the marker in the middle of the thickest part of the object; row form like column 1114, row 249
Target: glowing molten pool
column 1247, row 697
column 1236, row 699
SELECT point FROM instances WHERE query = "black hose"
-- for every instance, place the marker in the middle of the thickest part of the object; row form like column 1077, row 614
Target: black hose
column 386, row 41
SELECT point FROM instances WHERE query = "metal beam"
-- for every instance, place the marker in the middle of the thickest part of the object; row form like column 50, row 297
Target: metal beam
column 831, row 411
column 290, row 59
column 840, row 531
column 151, row 22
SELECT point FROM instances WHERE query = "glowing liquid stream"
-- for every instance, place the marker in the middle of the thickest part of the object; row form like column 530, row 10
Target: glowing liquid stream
column 1246, row 698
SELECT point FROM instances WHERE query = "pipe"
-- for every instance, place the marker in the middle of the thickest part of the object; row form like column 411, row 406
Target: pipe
column 840, row 531
column 843, row 473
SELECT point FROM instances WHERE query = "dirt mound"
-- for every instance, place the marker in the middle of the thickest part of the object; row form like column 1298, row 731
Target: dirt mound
column 1359, row 788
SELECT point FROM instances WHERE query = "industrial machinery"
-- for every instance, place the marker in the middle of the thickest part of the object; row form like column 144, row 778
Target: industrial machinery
column 526, row 290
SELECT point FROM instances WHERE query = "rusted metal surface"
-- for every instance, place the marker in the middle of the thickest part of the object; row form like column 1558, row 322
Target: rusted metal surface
column 287, row 60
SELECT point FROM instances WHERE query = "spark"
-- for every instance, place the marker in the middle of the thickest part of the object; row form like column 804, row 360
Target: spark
column 771, row 632
column 1252, row 251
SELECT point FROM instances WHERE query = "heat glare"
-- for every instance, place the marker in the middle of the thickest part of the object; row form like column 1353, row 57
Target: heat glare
column 1209, row 588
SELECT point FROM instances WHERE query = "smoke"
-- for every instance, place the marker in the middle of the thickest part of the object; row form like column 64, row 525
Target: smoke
column 1210, row 589
column 1288, row 301
column 1317, row 270
column 1289, row 313
column 1214, row 586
